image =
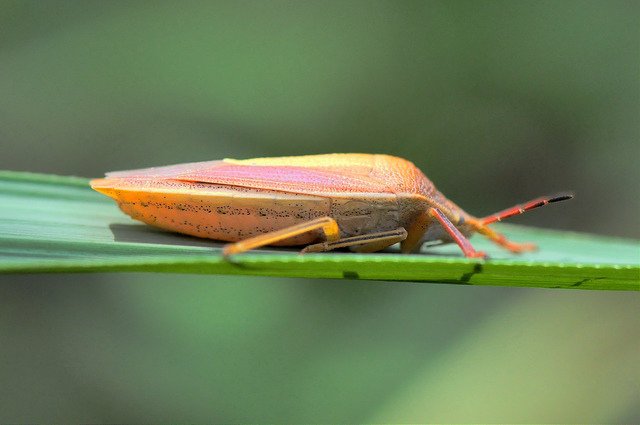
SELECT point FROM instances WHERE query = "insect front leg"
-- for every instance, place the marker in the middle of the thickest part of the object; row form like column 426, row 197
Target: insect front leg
column 371, row 242
column 464, row 244
column 500, row 239
column 327, row 224
column 415, row 232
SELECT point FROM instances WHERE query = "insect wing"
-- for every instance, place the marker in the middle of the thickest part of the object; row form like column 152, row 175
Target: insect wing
column 293, row 179
column 164, row 172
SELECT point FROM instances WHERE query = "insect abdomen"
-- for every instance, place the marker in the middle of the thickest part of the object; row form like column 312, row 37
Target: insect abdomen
column 225, row 213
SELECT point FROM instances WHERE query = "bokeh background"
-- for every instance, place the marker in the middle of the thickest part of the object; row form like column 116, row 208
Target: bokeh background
column 496, row 101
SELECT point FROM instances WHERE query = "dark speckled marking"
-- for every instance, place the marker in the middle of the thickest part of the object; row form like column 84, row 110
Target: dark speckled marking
column 580, row 282
column 190, row 214
column 477, row 268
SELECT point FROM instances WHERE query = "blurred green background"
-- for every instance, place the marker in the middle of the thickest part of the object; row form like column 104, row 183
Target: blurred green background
column 496, row 101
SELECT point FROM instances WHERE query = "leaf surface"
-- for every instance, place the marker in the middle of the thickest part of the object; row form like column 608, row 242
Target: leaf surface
column 58, row 224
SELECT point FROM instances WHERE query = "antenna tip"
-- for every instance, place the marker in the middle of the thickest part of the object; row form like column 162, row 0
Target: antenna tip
column 561, row 197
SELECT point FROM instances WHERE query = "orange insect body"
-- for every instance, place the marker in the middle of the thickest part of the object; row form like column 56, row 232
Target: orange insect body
column 362, row 201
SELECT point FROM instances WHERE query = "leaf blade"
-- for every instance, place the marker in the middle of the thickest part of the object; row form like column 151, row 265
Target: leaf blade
column 58, row 224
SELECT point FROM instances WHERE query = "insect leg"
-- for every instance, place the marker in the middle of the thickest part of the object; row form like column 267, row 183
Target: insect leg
column 501, row 240
column 415, row 232
column 371, row 242
column 455, row 234
column 327, row 224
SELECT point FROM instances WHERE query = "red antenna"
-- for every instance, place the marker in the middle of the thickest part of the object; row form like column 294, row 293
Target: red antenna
column 522, row 208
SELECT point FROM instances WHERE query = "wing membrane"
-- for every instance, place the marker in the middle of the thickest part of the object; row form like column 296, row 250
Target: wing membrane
column 323, row 178
column 308, row 180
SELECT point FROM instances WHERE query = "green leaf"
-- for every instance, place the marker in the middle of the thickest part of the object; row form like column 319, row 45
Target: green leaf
column 58, row 224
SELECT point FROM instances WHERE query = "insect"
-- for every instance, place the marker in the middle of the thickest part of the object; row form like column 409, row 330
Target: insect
column 363, row 202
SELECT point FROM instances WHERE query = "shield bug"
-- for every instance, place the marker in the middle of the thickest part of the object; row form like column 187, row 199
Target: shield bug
column 363, row 202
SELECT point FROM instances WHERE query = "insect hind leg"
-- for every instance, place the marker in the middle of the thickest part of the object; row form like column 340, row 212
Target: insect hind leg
column 371, row 242
column 327, row 224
